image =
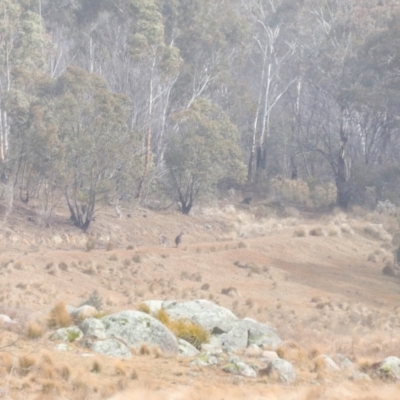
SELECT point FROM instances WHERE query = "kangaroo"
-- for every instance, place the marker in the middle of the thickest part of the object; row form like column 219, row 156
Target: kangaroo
column 178, row 239
column 163, row 240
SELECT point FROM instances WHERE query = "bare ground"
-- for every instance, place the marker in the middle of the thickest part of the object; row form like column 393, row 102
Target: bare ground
column 324, row 292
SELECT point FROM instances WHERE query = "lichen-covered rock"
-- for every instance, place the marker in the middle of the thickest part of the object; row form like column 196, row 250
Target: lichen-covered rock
column 208, row 315
column 94, row 328
column 135, row 328
column 389, row 368
column 283, row 369
column 236, row 366
column 205, row 359
column 186, row 349
column 249, row 332
column 70, row 334
column 111, row 347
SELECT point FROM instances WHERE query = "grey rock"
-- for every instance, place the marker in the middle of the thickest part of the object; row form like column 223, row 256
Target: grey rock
column 389, row 368
column 208, row 315
column 82, row 312
column 360, row 376
column 343, row 362
column 135, row 328
column 70, row 334
column 64, row 347
column 253, row 351
column 327, row 362
column 111, row 347
column 205, row 359
column 268, row 356
column 93, row 327
column 154, row 305
column 236, row 366
column 248, row 332
column 186, row 349
column 284, row 369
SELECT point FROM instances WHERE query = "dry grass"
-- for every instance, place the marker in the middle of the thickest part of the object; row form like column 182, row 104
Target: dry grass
column 119, row 368
column 183, row 329
column 26, row 363
column 59, row 316
column 144, row 308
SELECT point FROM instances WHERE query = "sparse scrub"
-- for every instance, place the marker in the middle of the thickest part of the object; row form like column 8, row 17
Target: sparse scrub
column 242, row 245
column 90, row 244
column 113, row 257
column 205, row 286
column 110, row 246
column 300, row 232
column 59, row 316
column 94, row 300
column 137, row 258
column 230, row 291
column 250, row 303
column 372, row 257
column 130, row 247
column 255, row 269
column 19, row 265
column 96, row 367
column 389, row 270
column 90, row 270
column 316, row 231
column 63, row 266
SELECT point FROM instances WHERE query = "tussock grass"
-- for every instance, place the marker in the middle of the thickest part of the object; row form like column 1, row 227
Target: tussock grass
column 34, row 330
column 119, row 368
column 184, row 329
column 144, row 349
column 97, row 367
column 144, row 308
column 205, row 286
column 26, row 363
column 51, row 387
column 241, row 245
column 59, row 317
column 64, row 371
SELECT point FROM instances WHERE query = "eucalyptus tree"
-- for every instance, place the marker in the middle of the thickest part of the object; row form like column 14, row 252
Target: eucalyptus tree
column 203, row 150
column 94, row 139
column 272, row 50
